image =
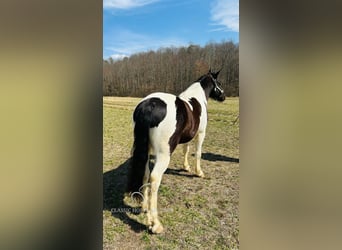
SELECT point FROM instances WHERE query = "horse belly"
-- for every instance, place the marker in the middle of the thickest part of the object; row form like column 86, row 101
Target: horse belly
column 187, row 136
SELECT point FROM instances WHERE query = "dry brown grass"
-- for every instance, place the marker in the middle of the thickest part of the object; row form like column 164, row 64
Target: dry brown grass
column 196, row 213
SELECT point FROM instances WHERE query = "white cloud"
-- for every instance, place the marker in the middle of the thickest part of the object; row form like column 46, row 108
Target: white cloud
column 226, row 13
column 125, row 4
column 126, row 43
column 117, row 56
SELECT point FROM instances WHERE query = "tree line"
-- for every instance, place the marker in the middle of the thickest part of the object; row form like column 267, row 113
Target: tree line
column 171, row 70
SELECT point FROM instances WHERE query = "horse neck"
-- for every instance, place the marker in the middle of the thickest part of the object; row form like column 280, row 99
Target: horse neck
column 194, row 91
column 206, row 84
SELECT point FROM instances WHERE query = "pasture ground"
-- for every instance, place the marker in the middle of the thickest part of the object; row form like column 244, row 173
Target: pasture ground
column 196, row 213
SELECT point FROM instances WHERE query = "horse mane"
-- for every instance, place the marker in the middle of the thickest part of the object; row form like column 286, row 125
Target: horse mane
column 202, row 77
column 205, row 81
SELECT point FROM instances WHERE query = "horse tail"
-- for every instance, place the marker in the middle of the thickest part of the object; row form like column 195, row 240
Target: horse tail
column 148, row 114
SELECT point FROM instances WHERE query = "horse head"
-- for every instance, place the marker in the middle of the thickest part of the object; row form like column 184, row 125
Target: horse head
column 212, row 86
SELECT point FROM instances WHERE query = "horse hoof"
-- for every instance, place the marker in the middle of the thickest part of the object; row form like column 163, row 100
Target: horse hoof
column 157, row 229
column 200, row 174
column 186, row 168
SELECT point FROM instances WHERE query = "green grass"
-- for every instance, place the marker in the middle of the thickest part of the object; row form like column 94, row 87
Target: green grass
column 196, row 213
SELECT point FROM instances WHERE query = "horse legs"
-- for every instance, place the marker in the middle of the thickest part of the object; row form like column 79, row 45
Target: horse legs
column 200, row 139
column 186, row 165
column 145, row 188
column 162, row 162
column 146, row 196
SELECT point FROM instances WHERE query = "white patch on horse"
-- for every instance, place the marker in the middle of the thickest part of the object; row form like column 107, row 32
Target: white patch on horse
column 194, row 90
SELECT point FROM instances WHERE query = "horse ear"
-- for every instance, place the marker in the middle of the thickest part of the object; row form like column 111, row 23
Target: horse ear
column 216, row 74
column 210, row 71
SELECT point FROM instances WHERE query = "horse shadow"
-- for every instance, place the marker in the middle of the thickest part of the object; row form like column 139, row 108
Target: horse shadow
column 216, row 157
column 114, row 188
column 114, row 185
column 180, row 172
column 205, row 156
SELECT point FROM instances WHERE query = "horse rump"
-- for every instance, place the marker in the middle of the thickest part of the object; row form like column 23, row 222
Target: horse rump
column 148, row 114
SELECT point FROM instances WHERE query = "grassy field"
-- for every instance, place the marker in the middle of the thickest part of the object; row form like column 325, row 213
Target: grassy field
column 196, row 213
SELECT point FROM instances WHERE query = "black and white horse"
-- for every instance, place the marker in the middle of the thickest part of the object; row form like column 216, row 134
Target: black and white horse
column 161, row 122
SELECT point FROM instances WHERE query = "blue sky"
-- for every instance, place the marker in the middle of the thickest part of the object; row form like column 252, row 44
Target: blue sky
column 132, row 26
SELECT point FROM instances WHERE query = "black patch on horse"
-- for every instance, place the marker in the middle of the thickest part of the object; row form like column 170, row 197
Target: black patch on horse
column 187, row 122
column 207, row 85
column 150, row 112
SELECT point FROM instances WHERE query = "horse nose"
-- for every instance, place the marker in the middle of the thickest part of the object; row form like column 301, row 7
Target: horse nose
column 223, row 97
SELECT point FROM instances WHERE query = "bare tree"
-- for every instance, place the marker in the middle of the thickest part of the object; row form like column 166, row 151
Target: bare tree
column 171, row 69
